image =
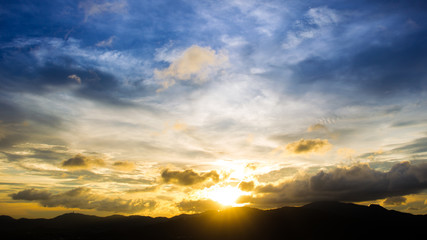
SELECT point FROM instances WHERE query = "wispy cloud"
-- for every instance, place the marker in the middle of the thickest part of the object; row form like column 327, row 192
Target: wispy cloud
column 317, row 20
column 106, row 43
column 92, row 8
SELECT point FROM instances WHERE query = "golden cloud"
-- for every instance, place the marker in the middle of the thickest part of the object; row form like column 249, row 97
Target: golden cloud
column 124, row 166
column 304, row 146
column 200, row 205
column 317, row 127
column 247, row 186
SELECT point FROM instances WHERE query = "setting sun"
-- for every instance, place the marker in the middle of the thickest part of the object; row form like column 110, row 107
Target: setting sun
column 226, row 196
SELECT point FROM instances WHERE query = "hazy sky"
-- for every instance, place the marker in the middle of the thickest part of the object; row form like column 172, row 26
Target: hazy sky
column 167, row 107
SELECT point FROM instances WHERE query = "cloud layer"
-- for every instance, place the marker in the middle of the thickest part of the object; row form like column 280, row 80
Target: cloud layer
column 83, row 198
column 355, row 184
column 188, row 177
column 198, row 205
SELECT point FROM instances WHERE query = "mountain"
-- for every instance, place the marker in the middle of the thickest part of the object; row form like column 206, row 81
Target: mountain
column 318, row 220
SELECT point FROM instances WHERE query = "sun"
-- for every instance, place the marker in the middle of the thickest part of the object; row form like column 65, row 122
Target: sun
column 226, row 196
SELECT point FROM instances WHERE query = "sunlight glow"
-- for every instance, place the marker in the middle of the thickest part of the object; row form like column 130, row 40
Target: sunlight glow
column 226, row 196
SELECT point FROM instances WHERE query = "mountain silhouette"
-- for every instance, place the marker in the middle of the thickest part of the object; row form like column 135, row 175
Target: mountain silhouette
column 318, row 220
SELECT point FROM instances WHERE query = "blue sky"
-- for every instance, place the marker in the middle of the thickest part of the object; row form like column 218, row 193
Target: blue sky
column 122, row 102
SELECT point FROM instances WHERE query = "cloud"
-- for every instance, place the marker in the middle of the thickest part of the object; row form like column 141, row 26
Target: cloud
column 97, row 72
column 316, row 19
column 75, row 77
column 322, row 16
column 83, row 198
column 295, row 39
column 347, row 153
column 247, row 186
column 91, row 8
column 276, row 175
column 195, row 63
column 317, row 127
column 82, row 162
column 399, row 200
column 198, row 205
column 31, row 195
column 375, row 70
column 145, row 189
column 124, row 166
column 416, row 146
column 179, row 126
column 44, row 152
column 309, row 146
column 106, row 43
column 188, row 177
column 356, row 183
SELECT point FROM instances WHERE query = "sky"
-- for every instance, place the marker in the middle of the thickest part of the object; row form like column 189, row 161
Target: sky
column 167, row 107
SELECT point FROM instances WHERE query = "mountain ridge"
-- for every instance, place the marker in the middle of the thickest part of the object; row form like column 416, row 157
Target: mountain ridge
column 317, row 220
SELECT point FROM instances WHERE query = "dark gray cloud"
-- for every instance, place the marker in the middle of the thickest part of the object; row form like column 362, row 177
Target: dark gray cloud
column 82, row 162
column 31, row 195
column 22, row 72
column 188, row 177
column 198, row 205
column 83, row 198
column 357, row 183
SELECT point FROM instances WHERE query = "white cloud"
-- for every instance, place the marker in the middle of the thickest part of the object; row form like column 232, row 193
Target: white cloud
column 76, row 78
column 195, row 63
column 323, row 16
column 231, row 41
column 106, row 43
column 91, row 8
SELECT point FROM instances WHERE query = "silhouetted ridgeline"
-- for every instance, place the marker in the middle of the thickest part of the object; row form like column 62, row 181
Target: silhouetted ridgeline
column 319, row 220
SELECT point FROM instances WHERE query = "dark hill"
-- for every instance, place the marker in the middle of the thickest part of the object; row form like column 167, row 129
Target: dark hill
column 319, row 220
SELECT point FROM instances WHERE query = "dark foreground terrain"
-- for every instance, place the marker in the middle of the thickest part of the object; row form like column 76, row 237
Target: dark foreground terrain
column 320, row 220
